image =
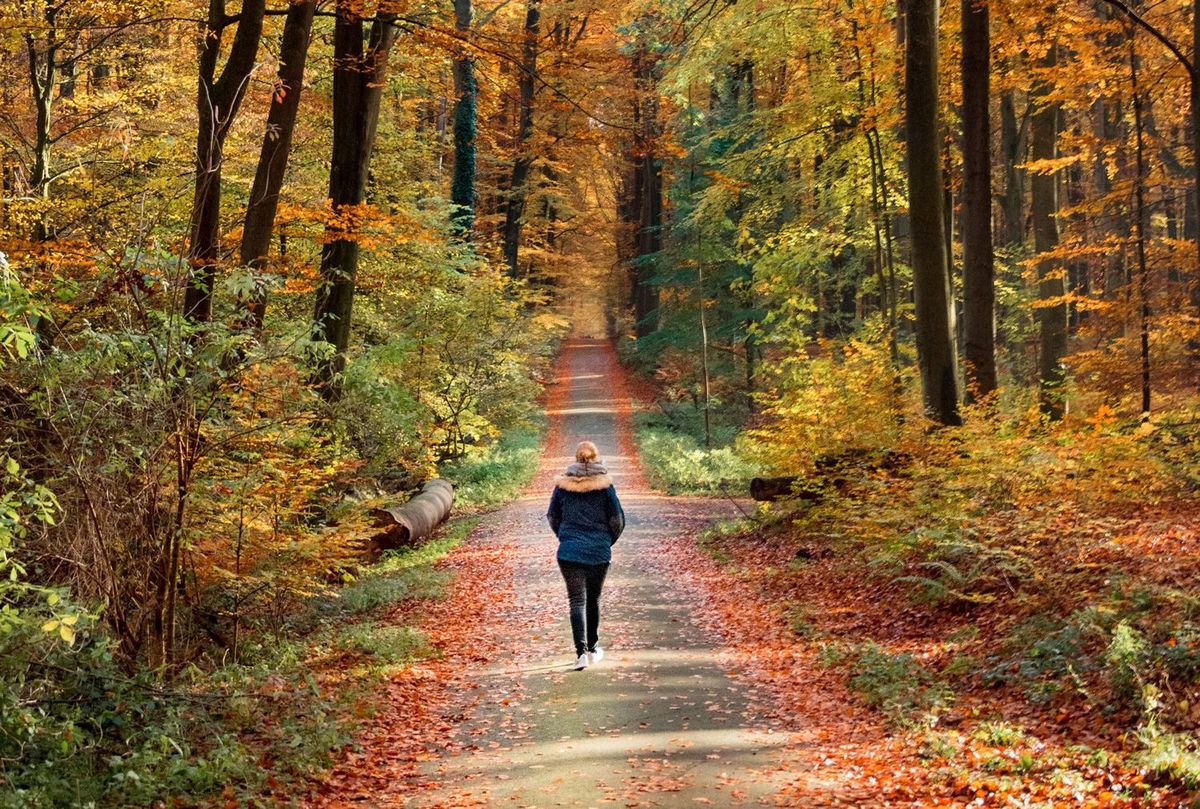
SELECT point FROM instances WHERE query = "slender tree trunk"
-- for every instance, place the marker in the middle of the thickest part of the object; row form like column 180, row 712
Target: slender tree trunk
column 1194, row 108
column 650, row 196
column 1052, row 317
column 979, row 294
column 522, row 161
column 462, row 186
column 931, row 278
column 358, row 82
column 1012, row 147
column 42, row 78
column 276, row 146
column 1140, row 224
column 217, row 103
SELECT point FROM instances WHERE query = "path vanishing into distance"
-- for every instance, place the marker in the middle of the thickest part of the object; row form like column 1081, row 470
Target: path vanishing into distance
column 501, row 719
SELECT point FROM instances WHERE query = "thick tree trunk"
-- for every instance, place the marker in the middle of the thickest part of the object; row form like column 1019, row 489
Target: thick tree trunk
column 979, row 294
column 276, row 146
column 358, row 81
column 1052, row 318
column 514, row 211
column 931, row 279
column 462, row 186
column 217, row 103
column 1013, row 144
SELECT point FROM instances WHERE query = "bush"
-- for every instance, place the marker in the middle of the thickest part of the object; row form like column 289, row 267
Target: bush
column 898, row 686
column 496, row 473
column 677, row 464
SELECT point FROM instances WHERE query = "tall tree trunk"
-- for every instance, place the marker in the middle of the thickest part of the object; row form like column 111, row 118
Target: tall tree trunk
column 1013, row 145
column 1194, row 107
column 1141, row 224
column 276, row 146
column 1052, row 317
column 217, row 103
column 650, row 195
column 979, row 294
column 931, row 278
column 358, row 82
column 462, row 186
column 42, row 78
column 522, row 160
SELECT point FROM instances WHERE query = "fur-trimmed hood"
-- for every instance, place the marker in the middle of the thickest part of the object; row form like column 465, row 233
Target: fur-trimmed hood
column 583, row 483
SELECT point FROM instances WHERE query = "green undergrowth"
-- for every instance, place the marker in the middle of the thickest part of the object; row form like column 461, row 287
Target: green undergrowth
column 493, row 475
column 247, row 733
column 678, row 462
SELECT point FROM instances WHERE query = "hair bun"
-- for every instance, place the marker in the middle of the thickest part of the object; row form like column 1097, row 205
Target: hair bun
column 586, row 452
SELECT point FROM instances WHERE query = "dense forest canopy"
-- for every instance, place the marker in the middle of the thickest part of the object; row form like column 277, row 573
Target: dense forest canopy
column 262, row 261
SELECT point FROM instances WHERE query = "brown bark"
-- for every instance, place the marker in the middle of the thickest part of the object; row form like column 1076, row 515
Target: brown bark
column 276, row 146
column 979, row 295
column 1052, row 319
column 217, row 103
column 649, row 195
column 931, row 280
column 514, row 211
column 1013, row 146
column 358, row 80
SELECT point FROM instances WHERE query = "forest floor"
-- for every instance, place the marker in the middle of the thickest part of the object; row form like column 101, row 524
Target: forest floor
column 713, row 691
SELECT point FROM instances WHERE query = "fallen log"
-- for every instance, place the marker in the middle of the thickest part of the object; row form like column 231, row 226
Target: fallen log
column 831, row 469
column 406, row 524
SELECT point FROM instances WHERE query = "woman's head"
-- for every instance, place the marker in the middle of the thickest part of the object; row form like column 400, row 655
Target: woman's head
column 586, row 452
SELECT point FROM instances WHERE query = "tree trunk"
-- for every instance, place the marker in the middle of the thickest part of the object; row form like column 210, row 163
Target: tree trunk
column 650, row 195
column 276, row 146
column 522, row 160
column 1012, row 147
column 358, row 80
column 1052, row 319
column 217, row 103
column 1194, row 106
column 462, row 186
column 979, row 294
column 931, row 279
column 1141, row 225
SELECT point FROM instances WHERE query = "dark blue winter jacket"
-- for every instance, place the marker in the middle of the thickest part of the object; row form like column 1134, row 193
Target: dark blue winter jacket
column 587, row 518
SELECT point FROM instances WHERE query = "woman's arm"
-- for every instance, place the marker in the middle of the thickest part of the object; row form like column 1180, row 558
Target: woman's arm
column 554, row 514
column 616, row 515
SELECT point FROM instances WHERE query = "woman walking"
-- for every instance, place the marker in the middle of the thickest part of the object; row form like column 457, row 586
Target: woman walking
column 587, row 518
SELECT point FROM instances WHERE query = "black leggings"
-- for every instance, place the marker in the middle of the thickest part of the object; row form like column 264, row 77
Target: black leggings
column 584, row 583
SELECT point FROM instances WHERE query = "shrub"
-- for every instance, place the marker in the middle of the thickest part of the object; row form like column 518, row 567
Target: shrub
column 495, row 473
column 677, row 464
column 898, row 686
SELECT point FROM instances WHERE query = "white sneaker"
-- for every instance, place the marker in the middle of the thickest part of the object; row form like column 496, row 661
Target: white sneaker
column 582, row 662
column 596, row 655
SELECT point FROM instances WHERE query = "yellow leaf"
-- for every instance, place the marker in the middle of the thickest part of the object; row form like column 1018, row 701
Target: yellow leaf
column 66, row 633
column 50, row 625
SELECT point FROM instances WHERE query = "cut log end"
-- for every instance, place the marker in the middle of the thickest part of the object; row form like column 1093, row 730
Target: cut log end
column 407, row 524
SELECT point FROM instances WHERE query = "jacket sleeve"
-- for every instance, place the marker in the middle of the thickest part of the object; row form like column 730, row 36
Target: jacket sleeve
column 616, row 515
column 554, row 514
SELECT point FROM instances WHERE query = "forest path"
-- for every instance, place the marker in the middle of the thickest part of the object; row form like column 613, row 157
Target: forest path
column 703, row 697
column 658, row 722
